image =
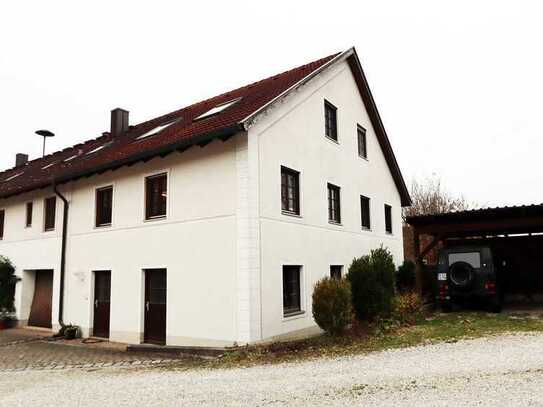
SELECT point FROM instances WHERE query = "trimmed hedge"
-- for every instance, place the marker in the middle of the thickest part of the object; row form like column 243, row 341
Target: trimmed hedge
column 372, row 285
column 332, row 304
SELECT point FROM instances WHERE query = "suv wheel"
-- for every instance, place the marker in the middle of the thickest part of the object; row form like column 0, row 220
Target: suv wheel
column 461, row 274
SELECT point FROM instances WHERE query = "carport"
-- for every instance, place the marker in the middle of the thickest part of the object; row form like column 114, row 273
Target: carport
column 514, row 233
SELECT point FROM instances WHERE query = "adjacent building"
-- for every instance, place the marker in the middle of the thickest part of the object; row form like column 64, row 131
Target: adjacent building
column 207, row 226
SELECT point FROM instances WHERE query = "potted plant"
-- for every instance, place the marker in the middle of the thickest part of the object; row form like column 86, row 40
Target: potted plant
column 69, row 331
column 8, row 280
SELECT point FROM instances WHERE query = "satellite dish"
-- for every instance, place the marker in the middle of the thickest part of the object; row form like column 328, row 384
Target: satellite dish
column 44, row 134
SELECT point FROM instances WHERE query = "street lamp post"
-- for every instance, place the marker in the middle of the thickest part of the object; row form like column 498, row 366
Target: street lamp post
column 44, row 134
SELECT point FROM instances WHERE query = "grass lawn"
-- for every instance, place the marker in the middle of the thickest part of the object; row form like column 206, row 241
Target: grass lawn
column 428, row 329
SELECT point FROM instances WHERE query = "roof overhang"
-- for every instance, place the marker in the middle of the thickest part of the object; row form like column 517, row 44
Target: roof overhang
column 481, row 222
column 201, row 140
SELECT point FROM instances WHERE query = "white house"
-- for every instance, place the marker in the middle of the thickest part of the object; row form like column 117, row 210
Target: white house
column 207, row 226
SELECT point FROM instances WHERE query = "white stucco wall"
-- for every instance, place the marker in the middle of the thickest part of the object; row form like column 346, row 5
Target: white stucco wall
column 292, row 135
column 196, row 243
column 224, row 240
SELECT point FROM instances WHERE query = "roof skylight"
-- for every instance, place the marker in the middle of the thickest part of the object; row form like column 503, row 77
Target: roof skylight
column 217, row 109
column 157, row 129
column 49, row 165
column 13, row 176
column 70, row 158
column 94, row 150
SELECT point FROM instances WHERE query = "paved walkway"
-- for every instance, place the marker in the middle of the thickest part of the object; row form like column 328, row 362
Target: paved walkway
column 25, row 349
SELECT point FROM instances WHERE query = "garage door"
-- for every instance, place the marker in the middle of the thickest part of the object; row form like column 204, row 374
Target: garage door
column 40, row 311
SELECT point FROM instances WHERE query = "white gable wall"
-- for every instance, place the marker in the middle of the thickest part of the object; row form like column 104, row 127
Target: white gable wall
column 292, row 135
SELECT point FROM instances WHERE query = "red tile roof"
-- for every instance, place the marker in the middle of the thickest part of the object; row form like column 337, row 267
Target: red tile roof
column 125, row 149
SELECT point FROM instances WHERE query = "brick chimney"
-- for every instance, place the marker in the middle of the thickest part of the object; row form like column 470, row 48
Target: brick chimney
column 21, row 159
column 119, row 121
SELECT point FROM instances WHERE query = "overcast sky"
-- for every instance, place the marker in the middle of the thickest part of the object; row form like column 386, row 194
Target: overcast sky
column 459, row 85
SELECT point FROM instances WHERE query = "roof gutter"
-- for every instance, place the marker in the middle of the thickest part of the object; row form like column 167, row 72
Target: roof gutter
column 66, row 206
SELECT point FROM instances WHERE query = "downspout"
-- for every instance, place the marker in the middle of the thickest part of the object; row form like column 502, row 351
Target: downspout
column 62, row 254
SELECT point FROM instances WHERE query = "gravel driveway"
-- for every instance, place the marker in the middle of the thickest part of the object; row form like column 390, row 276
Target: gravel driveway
column 499, row 371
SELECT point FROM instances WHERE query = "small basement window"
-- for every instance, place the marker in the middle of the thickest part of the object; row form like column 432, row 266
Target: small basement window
column 157, row 129
column 217, row 109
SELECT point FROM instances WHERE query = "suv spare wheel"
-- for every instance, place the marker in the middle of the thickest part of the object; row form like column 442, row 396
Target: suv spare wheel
column 461, row 274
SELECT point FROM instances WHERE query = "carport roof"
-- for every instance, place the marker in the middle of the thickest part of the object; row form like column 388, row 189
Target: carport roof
column 481, row 222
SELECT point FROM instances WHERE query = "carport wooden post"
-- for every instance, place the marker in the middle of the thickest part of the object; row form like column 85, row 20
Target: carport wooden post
column 419, row 256
column 418, row 262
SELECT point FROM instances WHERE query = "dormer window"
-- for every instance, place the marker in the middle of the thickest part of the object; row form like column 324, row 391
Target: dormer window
column 217, row 109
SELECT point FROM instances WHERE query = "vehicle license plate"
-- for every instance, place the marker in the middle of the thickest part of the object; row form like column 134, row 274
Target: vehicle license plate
column 442, row 276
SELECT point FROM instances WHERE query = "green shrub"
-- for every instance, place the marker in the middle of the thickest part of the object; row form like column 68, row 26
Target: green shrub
column 332, row 304
column 7, row 286
column 407, row 307
column 372, row 285
column 406, row 279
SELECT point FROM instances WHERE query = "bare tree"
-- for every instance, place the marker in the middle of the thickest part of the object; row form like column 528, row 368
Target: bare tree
column 429, row 198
